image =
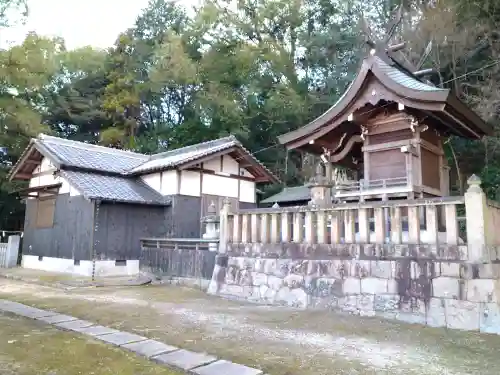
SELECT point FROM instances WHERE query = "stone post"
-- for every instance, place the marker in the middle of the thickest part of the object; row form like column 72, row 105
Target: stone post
column 211, row 227
column 224, row 225
column 476, row 209
column 320, row 187
column 12, row 251
column 221, row 259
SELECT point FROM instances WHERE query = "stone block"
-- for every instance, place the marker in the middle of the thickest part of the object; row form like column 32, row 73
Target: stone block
column 294, row 281
column 489, row 271
column 292, row 297
column 282, row 268
column 445, row 287
column 351, row 285
column 450, row 269
column 259, row 279
column 366, row 305
column 225, row 368
column 349, row 304
column 149, row 348
column 59, row 318
column 386, row 303
column 71, row 325
column 184, row 359
column 259, row 265
column 338, row 269
column 274, row 282
column 95, row 330
column 233, row 290
column 437, row 269
column 481, row 290
column 6, row 305
column 313, row 268
column 412, row 311
column 262, row 291
column 436, row 312
column 269, row 265
column 489, row 318
column 326, row 287
column 270, row 295
column 324, row 303
column 383, row 269
column 121, row 338
column 373, row 285
column 359, row 268
column 462, row 314
column 34, row 313
column 392, row 286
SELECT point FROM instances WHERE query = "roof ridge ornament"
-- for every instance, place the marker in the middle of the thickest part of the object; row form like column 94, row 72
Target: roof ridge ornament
column 385, row 51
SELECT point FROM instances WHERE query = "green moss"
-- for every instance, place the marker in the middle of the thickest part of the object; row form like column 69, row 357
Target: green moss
column 28, row 347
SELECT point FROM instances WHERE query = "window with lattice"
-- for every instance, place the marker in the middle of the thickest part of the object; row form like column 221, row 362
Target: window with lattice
column 45, row 209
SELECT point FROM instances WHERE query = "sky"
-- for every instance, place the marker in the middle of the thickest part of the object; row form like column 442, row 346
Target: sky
column 80, row 23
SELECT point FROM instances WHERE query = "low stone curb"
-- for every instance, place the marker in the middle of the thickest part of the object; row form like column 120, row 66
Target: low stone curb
column 163, row 354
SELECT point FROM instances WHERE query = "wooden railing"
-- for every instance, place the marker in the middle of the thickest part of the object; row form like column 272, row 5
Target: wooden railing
column 426, row 221
column 176, row 243
column 372, row 184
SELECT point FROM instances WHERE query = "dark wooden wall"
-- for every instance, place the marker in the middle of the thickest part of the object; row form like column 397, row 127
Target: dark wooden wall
column 387, row 164
column 68, row 238
column 121, row 226
column 431, row 175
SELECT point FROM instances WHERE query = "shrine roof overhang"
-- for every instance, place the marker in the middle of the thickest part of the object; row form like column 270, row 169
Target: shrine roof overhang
column 400, row 87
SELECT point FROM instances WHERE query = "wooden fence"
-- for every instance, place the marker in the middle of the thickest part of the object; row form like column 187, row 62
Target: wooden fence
column 171, row 257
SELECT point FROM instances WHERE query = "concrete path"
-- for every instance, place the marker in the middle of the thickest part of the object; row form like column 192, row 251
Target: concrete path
column 170, row 356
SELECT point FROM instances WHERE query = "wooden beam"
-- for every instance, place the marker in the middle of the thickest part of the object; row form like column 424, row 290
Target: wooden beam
column 348, row 147
column 23, row 176
column 226, row 175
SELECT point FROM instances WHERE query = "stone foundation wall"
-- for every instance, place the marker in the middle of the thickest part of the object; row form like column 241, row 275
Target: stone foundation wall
column 440, row 291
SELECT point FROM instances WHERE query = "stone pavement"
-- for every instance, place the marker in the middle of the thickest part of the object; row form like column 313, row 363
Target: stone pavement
column 170, row 356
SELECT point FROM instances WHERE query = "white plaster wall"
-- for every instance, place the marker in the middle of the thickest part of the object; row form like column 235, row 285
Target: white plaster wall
column 247, row 191
column 153, row 180
column 102, row 267
column 190, row 183
column 229, row 165
column 213, row 164
column 169, row 183
column 219, row 185
column 49, row 179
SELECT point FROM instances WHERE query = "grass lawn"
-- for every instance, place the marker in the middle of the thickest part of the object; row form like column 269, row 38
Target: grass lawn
column 28, row 347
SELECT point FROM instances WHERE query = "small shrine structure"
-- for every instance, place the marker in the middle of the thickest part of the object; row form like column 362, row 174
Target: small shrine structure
column 389, row 128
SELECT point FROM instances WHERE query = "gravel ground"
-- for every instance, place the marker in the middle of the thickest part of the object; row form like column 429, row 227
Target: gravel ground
column 281, row 341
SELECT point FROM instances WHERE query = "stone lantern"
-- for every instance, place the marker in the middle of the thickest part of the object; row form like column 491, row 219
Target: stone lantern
column 320, row 187
column 212, row 231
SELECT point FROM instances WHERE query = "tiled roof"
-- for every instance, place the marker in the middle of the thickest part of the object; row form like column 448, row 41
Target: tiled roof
column 104, row 159
column 113, row 188
column 290, row 194
column 90, row 157
column 402, row 78
column 185, row 154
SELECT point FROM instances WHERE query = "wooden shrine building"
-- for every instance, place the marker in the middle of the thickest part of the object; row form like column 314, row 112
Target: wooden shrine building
column 389, row 128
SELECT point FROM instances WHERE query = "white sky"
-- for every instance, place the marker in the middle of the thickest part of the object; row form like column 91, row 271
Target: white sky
column 80, row 23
